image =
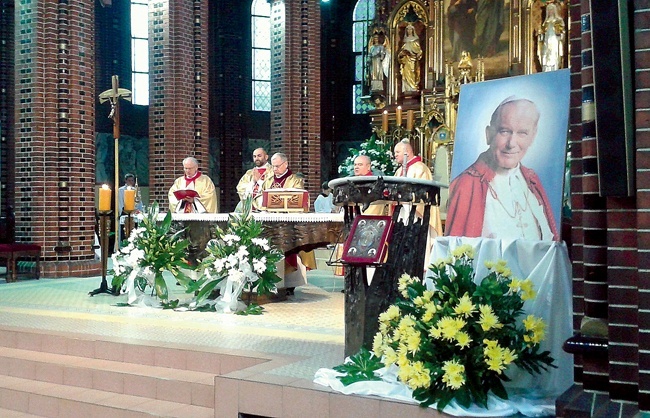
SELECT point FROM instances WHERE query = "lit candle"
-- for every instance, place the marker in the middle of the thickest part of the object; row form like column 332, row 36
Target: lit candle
column 398, row 116
column 129, row 199
column 384, row 121
column 104, row 198
column 409, row 120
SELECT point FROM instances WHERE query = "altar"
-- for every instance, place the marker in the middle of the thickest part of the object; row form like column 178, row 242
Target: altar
column 290, row 232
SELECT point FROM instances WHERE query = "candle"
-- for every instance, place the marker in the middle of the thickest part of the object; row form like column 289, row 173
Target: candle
column 104, row 198
column 398, row 116
column 409, row 120
column 384, row 121
column 129, row 199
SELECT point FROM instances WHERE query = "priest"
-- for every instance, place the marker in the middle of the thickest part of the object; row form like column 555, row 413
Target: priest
column 251, row 182
column 193, row 192
column 283, row 177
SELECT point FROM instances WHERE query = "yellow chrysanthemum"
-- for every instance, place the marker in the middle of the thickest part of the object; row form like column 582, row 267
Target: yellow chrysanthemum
column 378, row 344
column 413, row 342
column 489, row 264
column 465, row 307
column 435, row 333
column 419, row 301
column 508, row 356
column 449, row 326
column 402, row 355
column 420, row 376
column 390, row 356
column 404, row 281
column 391, row 313
column 429, row 311
column 383, row 328
column 463, row 339
column 495, row 364
column 427, row 295
column 488, row 319
column 466, row 250
column 527, row 290
column 537, row 327
column 515, row 285
column 454, row 376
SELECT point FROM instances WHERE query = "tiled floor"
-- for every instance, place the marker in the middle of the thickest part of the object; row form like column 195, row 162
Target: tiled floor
column 308, row 325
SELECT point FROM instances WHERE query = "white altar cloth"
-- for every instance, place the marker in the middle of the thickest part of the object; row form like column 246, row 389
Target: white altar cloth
column 547, row 264
column 260, row 216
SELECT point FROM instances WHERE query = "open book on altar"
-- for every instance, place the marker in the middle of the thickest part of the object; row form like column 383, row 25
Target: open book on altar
column 183, row 193
column 285, row 200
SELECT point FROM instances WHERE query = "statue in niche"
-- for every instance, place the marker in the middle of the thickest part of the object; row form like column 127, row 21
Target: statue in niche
column 550, row 40
column 379, row 54
column 409, row 59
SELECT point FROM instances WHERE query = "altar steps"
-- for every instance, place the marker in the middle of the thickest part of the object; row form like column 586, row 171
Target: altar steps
column 59, row 376
column 62, row 376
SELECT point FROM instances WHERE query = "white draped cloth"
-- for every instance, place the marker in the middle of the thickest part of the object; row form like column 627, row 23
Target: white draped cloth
column 547, row 264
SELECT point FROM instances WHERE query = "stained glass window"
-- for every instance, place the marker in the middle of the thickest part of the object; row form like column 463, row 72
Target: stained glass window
column 140, row 52
column 261, row 54
column 364, row 13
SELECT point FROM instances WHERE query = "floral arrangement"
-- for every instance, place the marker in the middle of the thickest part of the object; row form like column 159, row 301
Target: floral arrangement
column 151, row 249
column 238, row 258
column 458, row 340
column 380, row 153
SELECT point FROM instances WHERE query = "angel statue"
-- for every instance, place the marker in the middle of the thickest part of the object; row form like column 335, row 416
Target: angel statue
column 550, row 40
column 379, row 54
column 409, row 58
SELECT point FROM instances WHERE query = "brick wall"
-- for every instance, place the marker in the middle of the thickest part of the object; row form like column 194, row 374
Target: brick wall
column 178, row 108
column 6, row 105
column 610, row 235
column 54, row 133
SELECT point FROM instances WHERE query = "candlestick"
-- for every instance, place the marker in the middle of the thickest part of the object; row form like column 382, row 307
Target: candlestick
column 398, row 116
column 409, row 120
column 384, row 121
column 104, row 198
column 129, row 199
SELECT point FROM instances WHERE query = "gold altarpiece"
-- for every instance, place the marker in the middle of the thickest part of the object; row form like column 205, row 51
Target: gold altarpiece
column 425, row 111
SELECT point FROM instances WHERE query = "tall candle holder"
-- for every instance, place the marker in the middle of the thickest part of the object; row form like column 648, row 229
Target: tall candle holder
column 128, row 223
column 103, row 242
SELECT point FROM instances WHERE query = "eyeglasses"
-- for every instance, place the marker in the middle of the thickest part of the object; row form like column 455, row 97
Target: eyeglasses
column 278, row 166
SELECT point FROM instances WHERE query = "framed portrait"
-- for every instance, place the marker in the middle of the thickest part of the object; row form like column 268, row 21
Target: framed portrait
column 507, row 127
column 368, row 240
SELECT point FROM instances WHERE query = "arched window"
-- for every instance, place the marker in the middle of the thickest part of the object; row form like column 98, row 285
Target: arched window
column 140, row 52
column 261, row 56
column 364, row 13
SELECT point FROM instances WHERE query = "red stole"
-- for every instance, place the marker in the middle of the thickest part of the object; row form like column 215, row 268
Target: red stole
column 189, row 207
column 256, row 187
column 189, row 180
column 278, row 182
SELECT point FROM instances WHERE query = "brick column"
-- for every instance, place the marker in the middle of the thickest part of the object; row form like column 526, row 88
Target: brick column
column 610, row 252
column 54, row 133
column 6, row 107
column 295, row 87
column 178, row 107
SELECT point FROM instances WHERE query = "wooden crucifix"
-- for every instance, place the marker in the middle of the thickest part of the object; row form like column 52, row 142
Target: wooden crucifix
column 113, row 96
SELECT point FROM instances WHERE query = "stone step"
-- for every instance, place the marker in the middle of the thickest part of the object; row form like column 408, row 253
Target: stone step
column 152, row 382
column 135, row 352
column 46, row 399
column 8, row 413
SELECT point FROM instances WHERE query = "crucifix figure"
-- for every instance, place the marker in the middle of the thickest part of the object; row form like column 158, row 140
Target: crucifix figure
column 113, row 95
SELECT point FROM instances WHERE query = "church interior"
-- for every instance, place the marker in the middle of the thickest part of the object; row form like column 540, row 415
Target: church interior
column 93, row 90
